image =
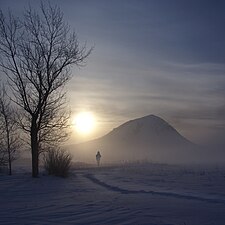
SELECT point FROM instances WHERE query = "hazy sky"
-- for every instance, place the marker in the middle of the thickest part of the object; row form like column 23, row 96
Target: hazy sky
column 150, row 57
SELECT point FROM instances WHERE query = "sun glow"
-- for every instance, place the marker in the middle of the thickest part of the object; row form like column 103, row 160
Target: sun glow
column 84, row 122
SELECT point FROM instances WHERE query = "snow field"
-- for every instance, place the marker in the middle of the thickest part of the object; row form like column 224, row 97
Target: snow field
column 151, row 194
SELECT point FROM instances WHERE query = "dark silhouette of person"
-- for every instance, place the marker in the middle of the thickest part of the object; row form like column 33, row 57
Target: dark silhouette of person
column 98, row 157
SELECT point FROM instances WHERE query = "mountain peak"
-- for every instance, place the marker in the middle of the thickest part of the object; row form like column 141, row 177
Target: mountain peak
column 146, row 124
column 148, row 137
column 150, row 118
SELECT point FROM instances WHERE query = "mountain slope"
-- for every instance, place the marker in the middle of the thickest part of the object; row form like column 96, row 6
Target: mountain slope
column 147, row 130
column 146, row 138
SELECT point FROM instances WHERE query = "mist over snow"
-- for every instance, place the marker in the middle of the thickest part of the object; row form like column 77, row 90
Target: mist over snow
column 149, row 138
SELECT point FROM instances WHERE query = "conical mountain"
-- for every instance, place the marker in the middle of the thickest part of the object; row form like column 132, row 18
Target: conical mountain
column 147, row 130
column 145, row 138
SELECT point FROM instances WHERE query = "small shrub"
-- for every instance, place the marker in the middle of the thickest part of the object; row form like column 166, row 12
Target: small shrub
column 57, row 162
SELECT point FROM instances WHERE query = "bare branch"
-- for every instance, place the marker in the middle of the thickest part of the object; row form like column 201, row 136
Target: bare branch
column 37, row 53
column 10, row 142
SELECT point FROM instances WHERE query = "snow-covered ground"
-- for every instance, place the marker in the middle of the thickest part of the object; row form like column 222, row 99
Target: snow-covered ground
column 126, row 194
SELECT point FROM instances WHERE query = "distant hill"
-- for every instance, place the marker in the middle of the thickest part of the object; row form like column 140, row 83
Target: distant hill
column 148, row 138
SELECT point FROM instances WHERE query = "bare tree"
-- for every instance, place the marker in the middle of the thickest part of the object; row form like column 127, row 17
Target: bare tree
column 10, row 142
column 3, row 153
column 38, row 51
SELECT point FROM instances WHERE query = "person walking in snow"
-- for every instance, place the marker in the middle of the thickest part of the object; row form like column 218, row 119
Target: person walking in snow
column 98, row 157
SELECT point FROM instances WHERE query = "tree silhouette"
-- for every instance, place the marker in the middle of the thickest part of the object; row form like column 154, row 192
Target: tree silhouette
column 37, row 52
column 10, row 142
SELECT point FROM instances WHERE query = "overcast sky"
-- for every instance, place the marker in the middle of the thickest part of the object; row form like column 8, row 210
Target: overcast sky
column 150, row 57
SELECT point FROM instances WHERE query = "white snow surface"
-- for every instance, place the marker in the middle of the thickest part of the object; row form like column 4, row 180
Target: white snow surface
column 153, row 194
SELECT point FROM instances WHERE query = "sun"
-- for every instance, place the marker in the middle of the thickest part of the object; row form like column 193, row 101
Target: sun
column 84, row 122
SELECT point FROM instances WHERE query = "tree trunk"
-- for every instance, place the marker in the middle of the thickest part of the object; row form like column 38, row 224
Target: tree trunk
column 8, row 146
column 9, row 160
column 34, row 149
